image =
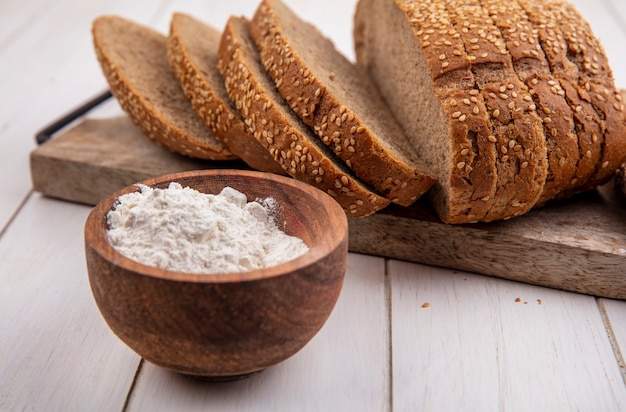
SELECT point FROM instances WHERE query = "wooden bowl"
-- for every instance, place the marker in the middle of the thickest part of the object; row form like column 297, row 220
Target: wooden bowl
column 223, row 326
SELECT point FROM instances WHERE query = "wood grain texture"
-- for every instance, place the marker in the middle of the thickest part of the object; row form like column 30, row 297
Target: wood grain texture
column 577, row 245
column 344, row 368
column 488, row 344
column 102, row 156
column 46, row 70
column 57, row 354
column 614, row 315
column 56, row 351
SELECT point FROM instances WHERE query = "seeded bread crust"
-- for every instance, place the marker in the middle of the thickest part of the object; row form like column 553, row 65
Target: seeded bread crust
column 454, row 136
column 587, row 122
column 596, row 78
column 148, row 91
column 521, row 164
column 192, row 52
column 579, row 63
column 280, row 131
column 338, row 100
column 532, row 68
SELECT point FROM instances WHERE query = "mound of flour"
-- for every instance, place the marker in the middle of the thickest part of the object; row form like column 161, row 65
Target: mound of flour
column 184, row 230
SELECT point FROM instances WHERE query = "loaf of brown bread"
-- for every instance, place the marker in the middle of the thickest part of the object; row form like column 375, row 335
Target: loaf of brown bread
column 273, row 123
column 583, row 66
column 442, row 106
column 134, row 61
column 528, row 65
column 339, row 101
column 532, row 68
column 515, row 123
column 192, row 51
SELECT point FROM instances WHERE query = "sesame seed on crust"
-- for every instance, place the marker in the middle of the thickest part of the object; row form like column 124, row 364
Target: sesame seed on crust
column 291, row 143
column 170, row 122
column 291, row 51
column 471, row 188
column 590, row 87
column 192, row 52
column 495, row 76
column 532, row 68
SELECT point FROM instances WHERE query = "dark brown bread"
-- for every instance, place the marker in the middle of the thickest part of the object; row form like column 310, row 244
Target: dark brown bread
column 280, row 131
column 578, row 61
column 437, row 49
column 596, row 78
column 134, row 61
column 549, row 94
column 532, row 68
column 521, row 164
column 340, row 102
column 192, row 52
column 453, row 137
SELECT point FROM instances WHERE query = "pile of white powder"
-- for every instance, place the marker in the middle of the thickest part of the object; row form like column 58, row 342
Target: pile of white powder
column 184, row 230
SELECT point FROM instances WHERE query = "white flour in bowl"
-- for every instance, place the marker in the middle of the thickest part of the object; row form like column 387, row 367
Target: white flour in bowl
column 184, row 230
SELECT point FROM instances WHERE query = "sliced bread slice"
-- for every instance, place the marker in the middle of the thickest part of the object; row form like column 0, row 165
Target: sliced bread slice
column 192, row 50
column 134, row 61
column 338, row 99
column 420, row 64
column 578, row 62
column 280, row 131
column 595, row 83
column 521, row 144
column 530, row 64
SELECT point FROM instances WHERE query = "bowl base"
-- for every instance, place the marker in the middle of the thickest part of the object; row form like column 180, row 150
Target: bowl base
column 221, row 378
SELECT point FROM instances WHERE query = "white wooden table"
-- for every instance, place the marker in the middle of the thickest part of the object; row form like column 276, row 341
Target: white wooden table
column 403, row 337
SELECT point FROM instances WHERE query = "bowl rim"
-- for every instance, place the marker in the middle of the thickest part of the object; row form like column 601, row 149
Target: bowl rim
column 96, row 239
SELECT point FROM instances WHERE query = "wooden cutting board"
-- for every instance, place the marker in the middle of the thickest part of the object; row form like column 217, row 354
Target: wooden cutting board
column 577, row 245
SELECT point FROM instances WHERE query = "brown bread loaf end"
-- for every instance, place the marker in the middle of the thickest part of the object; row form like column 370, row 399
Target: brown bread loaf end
column 457, row 143
column 578, row 61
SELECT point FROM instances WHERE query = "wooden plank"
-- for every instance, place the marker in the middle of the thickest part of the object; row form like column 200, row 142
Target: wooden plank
column 577, row 245
column 46, row 68
column 464, row 339
column 614, row 314
column 57, row 352
column 103, row 156
column 345, row 367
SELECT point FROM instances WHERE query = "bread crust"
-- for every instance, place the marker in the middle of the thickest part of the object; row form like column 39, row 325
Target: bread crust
column 578, row 61
column 158, row 119
column 394, row 172
column 465, row 190
column 541, row 51
column 532, row 68
column 280, row 131
column 521, row 161
column 192, row 52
